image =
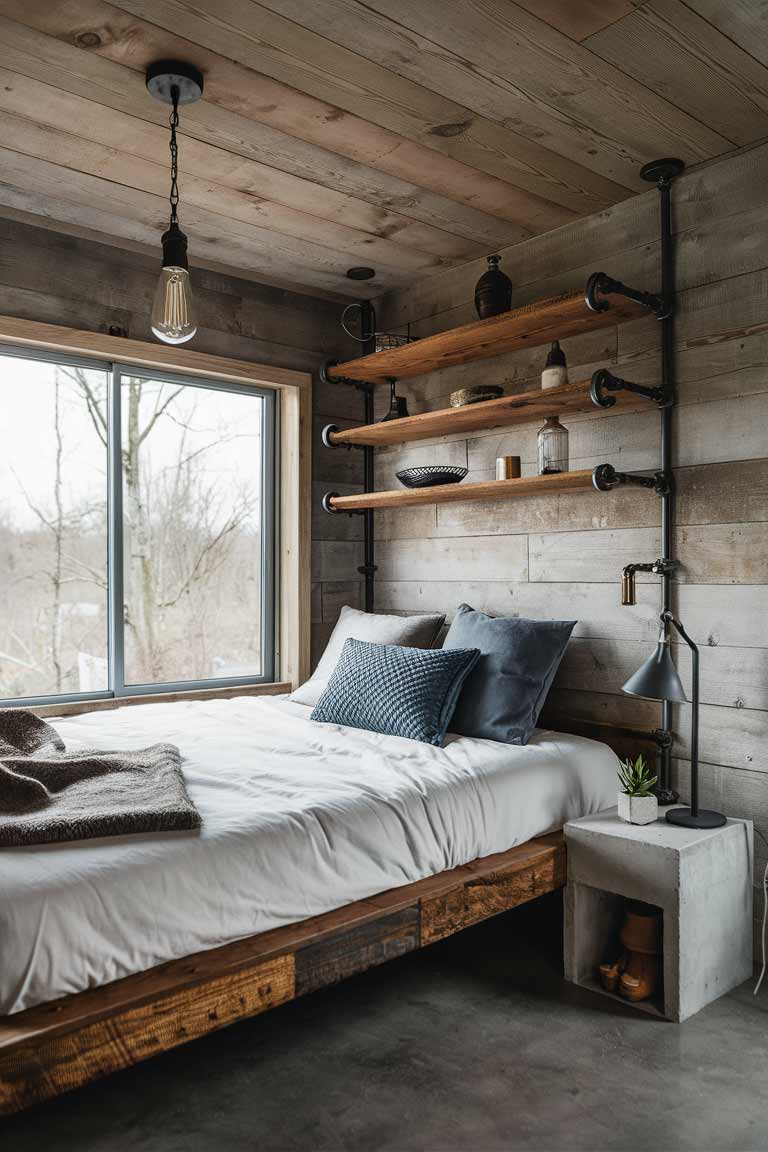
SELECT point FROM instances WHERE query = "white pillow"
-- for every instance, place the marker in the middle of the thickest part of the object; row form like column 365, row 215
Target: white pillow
column 407, row 631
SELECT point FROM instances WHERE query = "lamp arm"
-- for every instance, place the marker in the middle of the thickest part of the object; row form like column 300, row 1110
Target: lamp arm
column 668, row 618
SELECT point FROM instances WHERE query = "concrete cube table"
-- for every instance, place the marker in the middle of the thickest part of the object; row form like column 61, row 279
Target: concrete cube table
column 700, row 879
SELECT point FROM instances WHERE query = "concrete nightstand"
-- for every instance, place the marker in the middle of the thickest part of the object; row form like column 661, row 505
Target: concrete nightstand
column 701, row 880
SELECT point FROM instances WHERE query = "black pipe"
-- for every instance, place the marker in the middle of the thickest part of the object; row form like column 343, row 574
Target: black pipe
column 600, row 284
column 662, row 173
column 603, row 381
column 668, row 385
column 605, row 477
column 368, row 568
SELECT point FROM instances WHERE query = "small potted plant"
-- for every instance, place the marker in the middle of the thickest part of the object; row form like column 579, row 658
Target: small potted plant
column 637, row 803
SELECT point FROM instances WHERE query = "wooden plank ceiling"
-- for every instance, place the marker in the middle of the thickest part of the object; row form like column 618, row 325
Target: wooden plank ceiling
column 408, row 135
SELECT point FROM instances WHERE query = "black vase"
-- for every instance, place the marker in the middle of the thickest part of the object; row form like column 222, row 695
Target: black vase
column 493, row 291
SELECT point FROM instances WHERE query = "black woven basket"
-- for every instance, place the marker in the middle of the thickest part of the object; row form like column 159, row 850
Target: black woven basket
column 432, row 475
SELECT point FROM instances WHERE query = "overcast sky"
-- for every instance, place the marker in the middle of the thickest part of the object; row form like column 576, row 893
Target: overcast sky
column 28, row 444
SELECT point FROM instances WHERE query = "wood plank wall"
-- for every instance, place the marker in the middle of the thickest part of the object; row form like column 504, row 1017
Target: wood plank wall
column 562, row 557
column 63, row 279
column 536, row 556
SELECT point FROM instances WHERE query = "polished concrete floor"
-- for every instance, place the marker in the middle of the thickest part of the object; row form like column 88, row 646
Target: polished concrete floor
column 473, row 1044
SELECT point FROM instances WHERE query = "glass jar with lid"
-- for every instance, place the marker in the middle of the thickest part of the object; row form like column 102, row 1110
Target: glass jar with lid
column 552, row 447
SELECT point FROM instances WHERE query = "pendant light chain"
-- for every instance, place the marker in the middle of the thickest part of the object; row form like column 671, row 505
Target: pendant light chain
column 174, row 123
column 174, row 316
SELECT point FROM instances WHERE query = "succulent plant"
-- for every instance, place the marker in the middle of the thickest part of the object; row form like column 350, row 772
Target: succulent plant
column 635, row 777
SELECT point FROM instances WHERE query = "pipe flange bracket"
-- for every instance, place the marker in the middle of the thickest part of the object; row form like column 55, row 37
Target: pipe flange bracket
column 326, row 375
column 663, row 737
column 662, row 171
column 604, row 477
column 601, row 380
column 329, row 431
column 663, row 484
column 664, row 567
column 328, row 506
column 598, row 283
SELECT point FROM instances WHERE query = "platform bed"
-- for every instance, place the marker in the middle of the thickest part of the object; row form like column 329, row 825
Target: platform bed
column 61, row 1044
column 52, row 1048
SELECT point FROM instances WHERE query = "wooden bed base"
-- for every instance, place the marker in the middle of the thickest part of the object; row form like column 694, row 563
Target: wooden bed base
column 55, row 1047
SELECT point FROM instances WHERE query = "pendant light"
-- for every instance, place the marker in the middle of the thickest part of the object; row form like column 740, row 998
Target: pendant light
column 174, row 317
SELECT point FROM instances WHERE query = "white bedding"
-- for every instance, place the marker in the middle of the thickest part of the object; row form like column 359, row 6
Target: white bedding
column 298, row 818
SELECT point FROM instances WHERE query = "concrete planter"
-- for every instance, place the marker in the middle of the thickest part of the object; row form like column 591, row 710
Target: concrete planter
column 638, row 809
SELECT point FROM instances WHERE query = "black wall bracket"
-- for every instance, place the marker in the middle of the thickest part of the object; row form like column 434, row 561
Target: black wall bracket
column 659, row 567
column 327, row 377
column 663, row 738
column 600, row 284
column 327, row 432
column 327, row 506
column 605, row 477
column 604, row 382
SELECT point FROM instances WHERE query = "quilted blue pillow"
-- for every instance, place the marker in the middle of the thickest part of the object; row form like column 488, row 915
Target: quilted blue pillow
column 409, row 692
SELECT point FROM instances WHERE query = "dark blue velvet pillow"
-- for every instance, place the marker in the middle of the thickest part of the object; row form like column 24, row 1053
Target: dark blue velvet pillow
column 409, row 692
column 505, row 691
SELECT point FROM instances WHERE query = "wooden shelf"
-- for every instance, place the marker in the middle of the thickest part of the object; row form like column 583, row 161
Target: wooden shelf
column 528, row 327
column 457, row 493
column 525, row 408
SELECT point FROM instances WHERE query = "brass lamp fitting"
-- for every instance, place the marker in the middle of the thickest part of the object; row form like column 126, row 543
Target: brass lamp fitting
column 629, row 576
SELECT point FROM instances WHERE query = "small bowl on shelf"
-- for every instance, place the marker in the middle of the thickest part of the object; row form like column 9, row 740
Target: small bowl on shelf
column 431, row 475
column 476, row 395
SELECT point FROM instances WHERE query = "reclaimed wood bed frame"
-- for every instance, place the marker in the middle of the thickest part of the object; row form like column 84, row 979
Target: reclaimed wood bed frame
column 55, row 1047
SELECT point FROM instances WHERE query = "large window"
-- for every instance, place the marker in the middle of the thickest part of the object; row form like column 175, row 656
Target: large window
column 136, row 531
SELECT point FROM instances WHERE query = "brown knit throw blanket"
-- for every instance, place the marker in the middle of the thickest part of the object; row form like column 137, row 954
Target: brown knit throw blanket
column 48, row 794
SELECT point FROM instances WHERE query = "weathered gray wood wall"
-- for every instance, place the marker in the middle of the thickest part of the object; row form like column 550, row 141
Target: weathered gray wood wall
column 538, row 556
column 62, row 279
column 562, row 556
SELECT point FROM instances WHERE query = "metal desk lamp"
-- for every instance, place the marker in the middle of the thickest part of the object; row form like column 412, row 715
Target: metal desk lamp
column 657, row 679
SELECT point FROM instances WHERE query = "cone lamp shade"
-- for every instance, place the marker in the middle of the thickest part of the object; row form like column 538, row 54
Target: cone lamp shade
column 657, row 678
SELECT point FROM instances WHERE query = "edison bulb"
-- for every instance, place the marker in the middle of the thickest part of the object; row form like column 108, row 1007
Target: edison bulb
column 174, row 317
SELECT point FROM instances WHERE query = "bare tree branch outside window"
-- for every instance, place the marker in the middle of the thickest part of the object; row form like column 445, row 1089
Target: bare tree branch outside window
column 192, row 509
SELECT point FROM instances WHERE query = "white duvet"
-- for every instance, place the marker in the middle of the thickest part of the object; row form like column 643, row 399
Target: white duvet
column 298, row 818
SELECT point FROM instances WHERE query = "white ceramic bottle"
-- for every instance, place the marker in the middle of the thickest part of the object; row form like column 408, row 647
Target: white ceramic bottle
column 555, row 369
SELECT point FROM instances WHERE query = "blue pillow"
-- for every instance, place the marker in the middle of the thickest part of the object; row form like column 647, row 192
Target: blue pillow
column 505, row 691
column 409, row 692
